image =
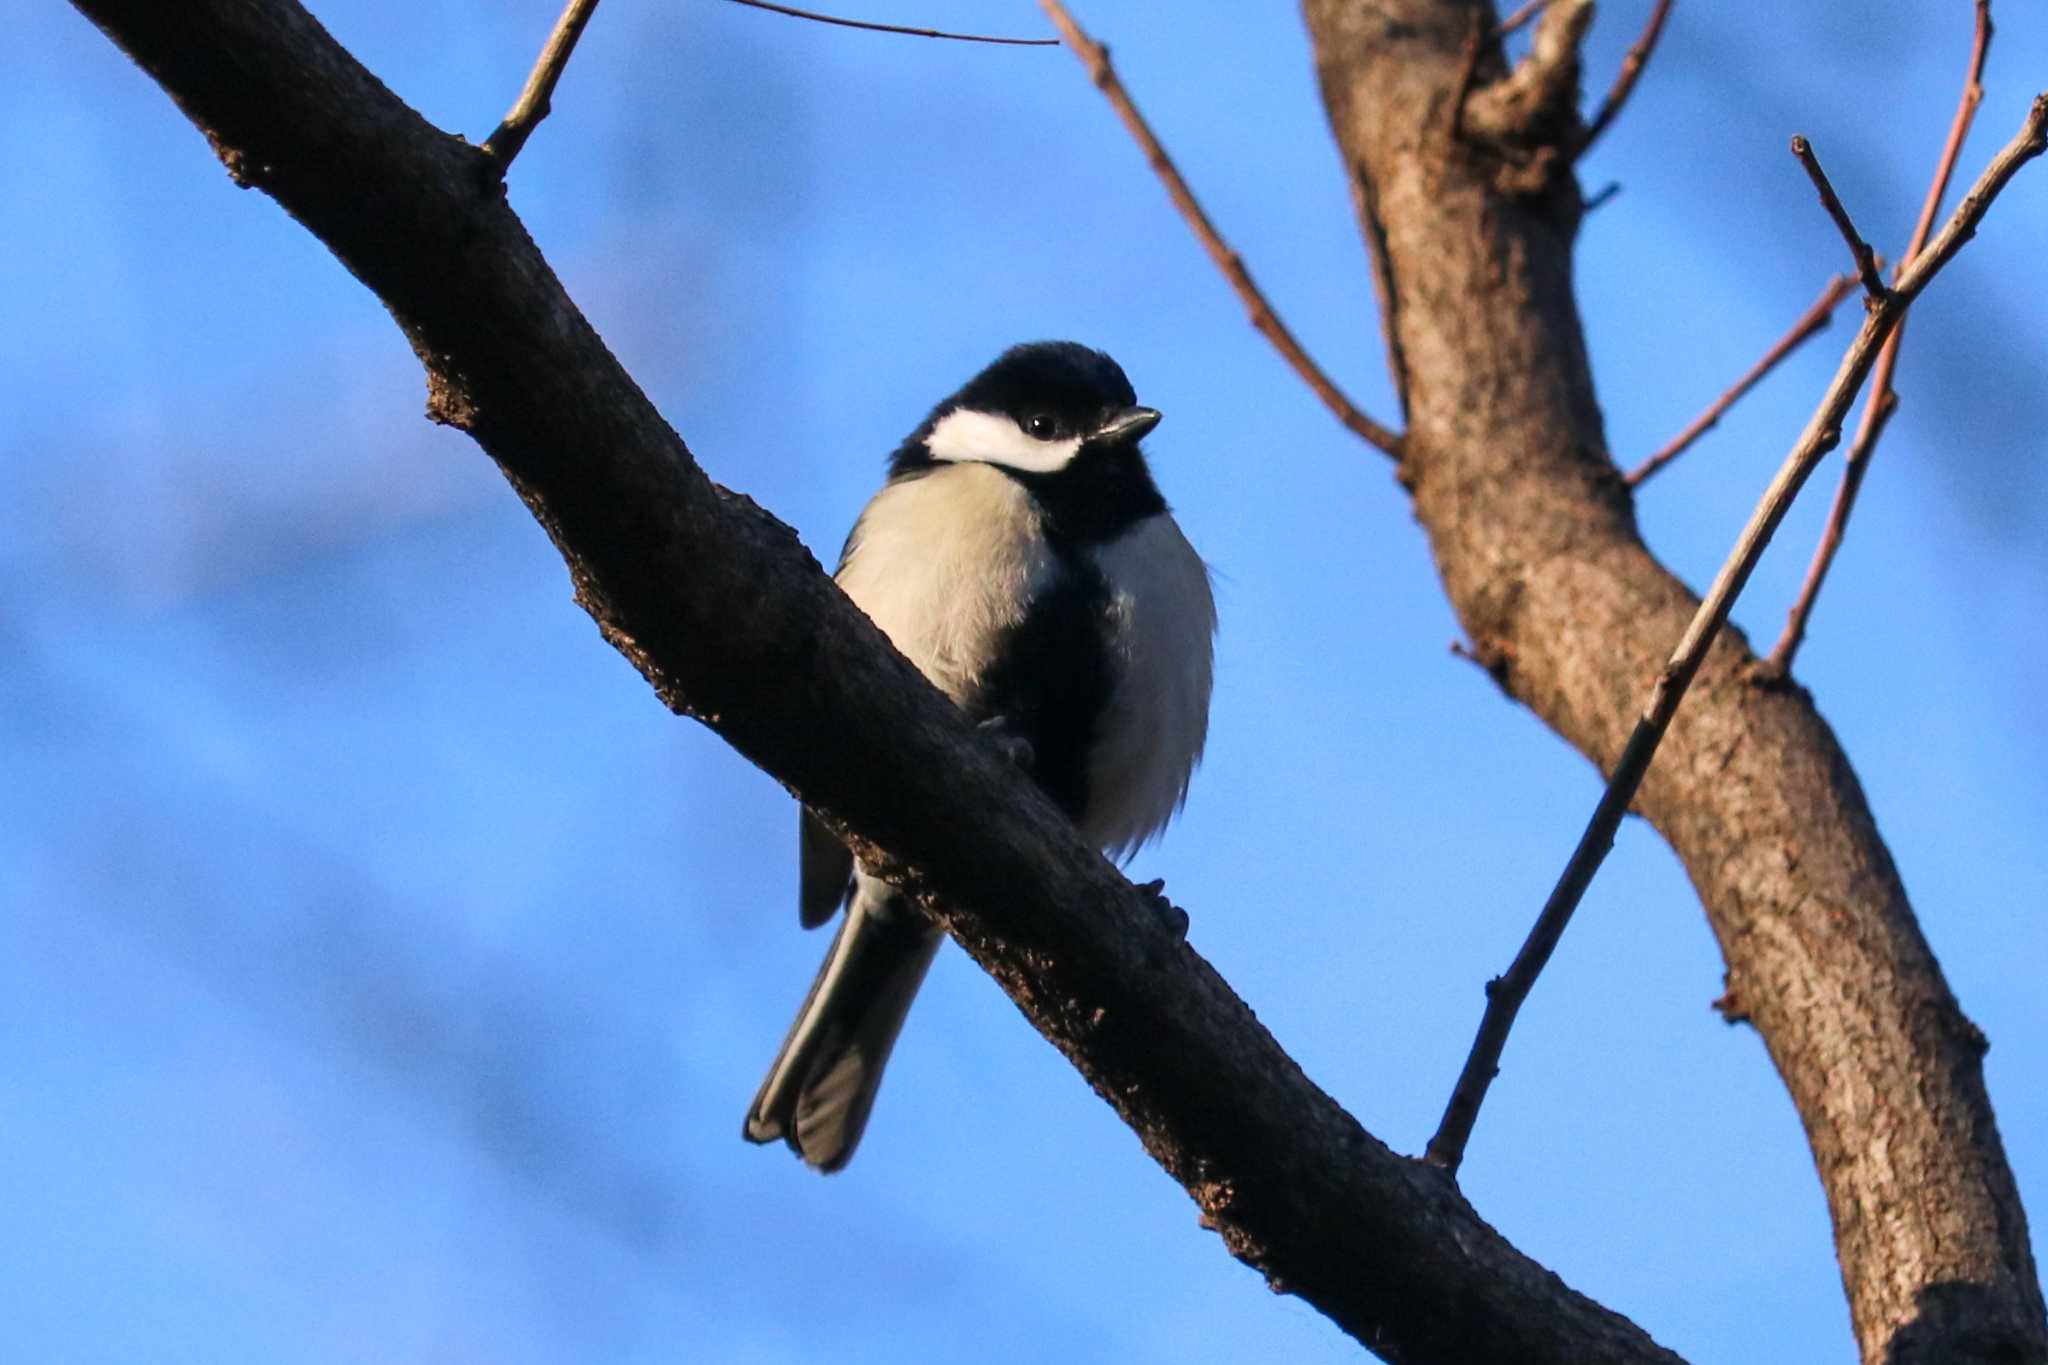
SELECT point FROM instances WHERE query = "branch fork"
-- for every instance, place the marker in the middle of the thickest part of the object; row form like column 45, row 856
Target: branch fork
column 1529, row 117
column 1859, row 250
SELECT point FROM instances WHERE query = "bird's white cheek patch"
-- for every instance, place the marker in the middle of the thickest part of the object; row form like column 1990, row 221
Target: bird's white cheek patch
column 963, row 435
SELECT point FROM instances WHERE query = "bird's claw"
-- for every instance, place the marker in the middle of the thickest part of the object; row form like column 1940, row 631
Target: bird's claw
column 1014, row 746
column 1172, row 916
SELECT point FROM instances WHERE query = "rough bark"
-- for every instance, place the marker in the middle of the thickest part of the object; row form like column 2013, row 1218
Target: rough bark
column 732, row 621
column 1534, row 536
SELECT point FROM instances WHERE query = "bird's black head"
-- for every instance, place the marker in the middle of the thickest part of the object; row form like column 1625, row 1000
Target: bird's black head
column 1063, row 421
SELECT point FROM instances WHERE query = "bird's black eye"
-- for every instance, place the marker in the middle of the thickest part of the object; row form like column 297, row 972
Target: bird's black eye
column 1042, row 426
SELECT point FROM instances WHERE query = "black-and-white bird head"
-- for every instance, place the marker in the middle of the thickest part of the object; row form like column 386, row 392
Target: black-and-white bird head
column 1063, row 421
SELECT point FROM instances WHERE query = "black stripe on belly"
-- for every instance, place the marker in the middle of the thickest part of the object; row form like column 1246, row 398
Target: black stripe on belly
column 1051, row 681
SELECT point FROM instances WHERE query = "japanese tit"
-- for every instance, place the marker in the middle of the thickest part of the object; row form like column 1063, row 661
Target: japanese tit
column 1022, row 557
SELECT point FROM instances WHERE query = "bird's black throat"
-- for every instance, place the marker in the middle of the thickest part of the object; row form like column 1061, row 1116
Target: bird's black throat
column 1099, row 495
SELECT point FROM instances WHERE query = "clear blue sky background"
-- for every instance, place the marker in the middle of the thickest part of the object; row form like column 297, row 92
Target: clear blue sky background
column 383, row 972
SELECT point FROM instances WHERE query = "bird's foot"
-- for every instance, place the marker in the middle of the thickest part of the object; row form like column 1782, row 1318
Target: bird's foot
column 1170, row 915
column 1013, row 746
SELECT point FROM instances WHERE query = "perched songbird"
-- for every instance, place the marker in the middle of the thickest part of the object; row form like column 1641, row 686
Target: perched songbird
column 1021, row 556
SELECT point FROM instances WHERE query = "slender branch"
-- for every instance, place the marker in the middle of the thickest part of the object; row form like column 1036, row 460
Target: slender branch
column 1811, row 323
column 1095, row 57
column 1823, row 431
column 1866, row 259
column 1878, row 408
column 533, row 104
column 1520, row 17
column 1632, row 64
column 815, row 17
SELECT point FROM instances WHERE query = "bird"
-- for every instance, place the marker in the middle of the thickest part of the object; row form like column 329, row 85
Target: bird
column 1020, row 554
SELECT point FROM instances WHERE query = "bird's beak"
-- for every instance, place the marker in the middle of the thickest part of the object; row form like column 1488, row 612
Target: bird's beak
column 1127, row 425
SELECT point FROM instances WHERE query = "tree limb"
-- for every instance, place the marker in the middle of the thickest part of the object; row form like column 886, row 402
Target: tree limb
column 733, row 622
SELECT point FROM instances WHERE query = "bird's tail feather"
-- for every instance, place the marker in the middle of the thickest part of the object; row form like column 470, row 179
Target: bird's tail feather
column 818, row 1093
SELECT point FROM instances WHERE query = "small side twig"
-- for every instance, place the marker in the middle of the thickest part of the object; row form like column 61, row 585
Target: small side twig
column 1632, row 64
column 870, row 27
column 1866, row 259
column 1811, row 323
column 1506, row 993
column 1878, row 408
column 1095, row 57
column 533, row 103
column 1519, row 17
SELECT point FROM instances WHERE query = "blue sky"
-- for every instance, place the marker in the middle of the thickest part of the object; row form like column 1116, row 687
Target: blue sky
column 386, row 973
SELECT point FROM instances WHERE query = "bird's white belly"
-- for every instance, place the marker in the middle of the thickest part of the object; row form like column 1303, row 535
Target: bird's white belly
column 1162, row 632
column 944, row 564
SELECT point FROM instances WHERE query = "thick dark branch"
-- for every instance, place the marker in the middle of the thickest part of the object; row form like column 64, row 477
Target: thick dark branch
column 1866, row 259
column 1823, row 431
column 1883, row 399
column 1811, row 323
column 535, row 100
column 733, row 622
column 1095, row 57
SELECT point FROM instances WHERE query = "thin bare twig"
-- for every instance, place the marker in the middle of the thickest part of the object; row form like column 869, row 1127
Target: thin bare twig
column 1811, row 323
column 1866, row 259
column 533, row 104
column 1519, row 17
column 1632, row 64
column 815, row 17
column 1823, row 431
column 1600, row 196
column 1096, row 58
column 1877, row 409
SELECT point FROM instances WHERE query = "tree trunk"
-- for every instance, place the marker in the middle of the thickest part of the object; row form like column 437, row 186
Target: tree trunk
column 1534, row 535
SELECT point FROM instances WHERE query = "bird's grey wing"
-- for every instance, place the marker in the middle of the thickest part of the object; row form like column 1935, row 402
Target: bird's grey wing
column 825, row 872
